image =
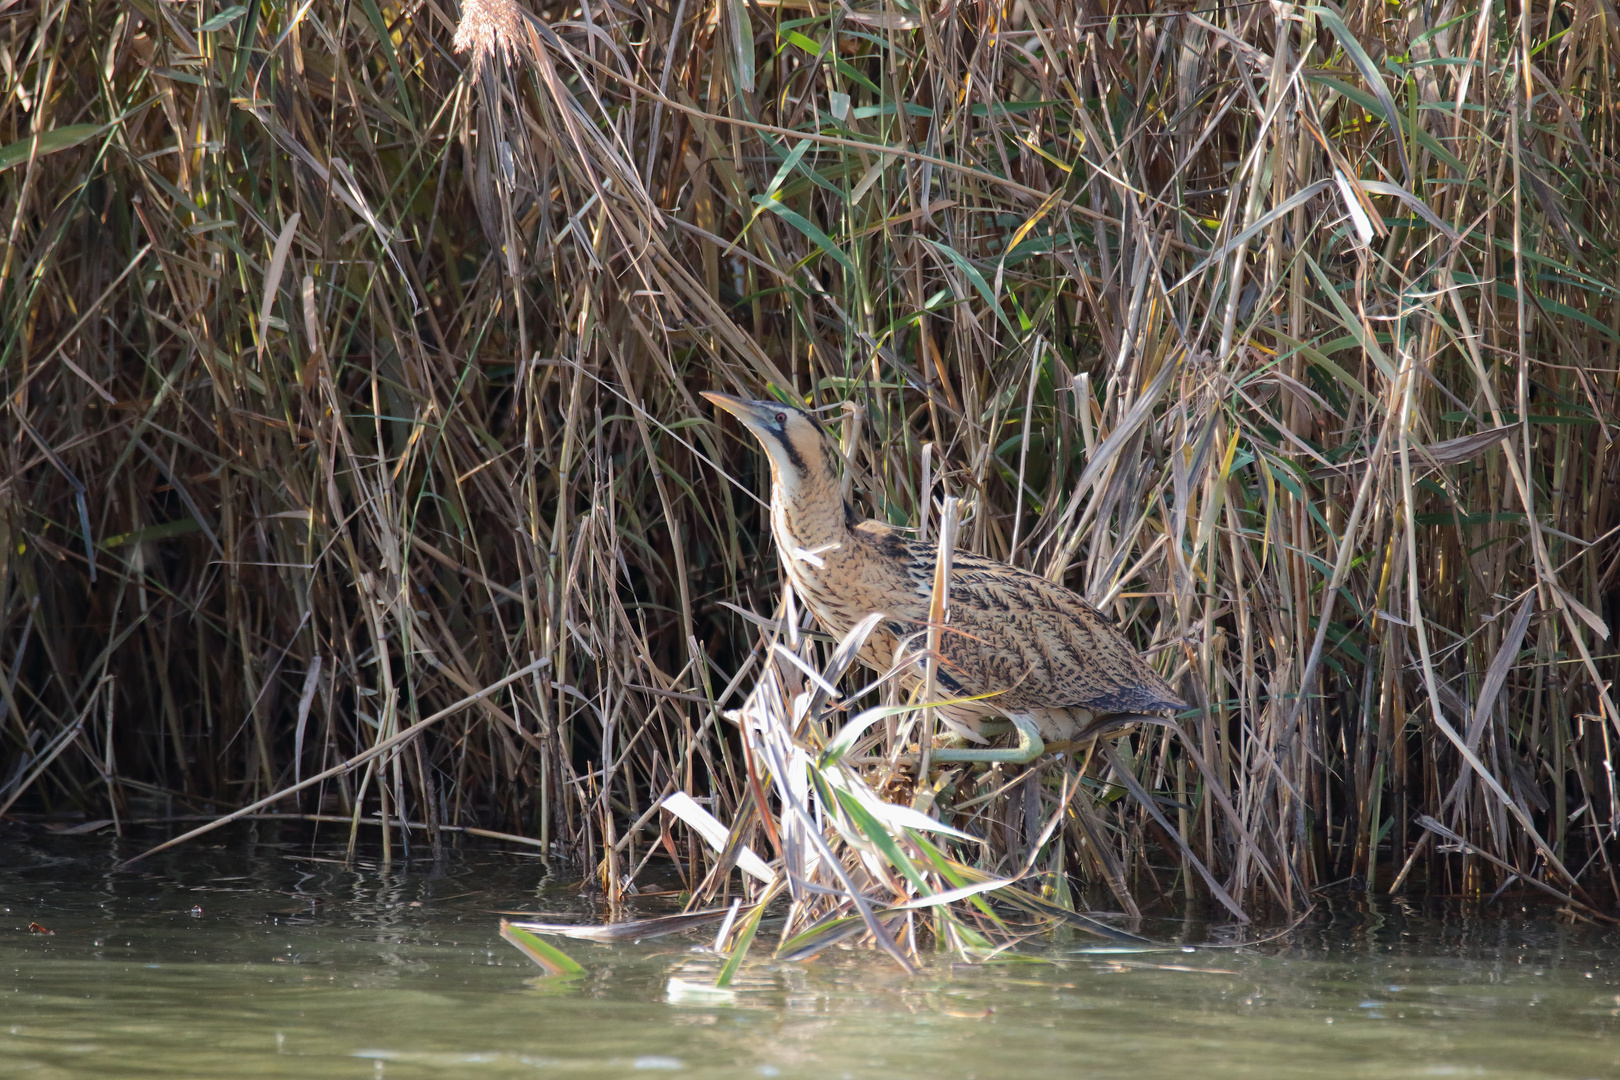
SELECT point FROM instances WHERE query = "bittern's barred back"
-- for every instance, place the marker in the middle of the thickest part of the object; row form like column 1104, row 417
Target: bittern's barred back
column 1052, row 663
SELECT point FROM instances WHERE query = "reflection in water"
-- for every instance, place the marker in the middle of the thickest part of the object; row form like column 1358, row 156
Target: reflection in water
column 268, row 959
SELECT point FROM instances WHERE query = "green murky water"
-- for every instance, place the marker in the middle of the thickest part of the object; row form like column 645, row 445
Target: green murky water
column 259, row 960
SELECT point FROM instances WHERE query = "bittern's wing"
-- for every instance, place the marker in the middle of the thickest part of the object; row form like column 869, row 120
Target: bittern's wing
column 1041, row 645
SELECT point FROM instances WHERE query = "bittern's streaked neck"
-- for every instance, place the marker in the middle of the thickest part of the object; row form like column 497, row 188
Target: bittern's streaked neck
column 807, row 505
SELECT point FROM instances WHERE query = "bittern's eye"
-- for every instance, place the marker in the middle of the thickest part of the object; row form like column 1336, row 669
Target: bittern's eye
column 781, row 418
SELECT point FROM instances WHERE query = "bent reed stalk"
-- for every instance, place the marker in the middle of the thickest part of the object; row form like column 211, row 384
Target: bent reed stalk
column 347, row 375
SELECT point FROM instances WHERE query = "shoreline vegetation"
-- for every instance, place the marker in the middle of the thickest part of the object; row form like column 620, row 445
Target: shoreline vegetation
column 351, row 356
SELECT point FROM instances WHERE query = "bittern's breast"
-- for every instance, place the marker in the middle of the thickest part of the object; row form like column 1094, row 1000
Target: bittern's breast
column 845, row 588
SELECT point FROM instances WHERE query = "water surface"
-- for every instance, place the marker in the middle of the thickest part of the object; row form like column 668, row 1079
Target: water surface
column 249, row 958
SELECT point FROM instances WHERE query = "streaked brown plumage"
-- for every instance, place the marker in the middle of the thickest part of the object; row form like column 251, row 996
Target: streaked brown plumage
column 1052, row 663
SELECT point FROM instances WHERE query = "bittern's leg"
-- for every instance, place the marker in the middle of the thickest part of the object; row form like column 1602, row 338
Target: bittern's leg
column 1030, row 746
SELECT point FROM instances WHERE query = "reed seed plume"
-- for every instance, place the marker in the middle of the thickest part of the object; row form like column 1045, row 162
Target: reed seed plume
column 493, row 31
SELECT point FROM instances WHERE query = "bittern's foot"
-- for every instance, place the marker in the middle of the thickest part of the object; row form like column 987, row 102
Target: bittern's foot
column 1030, row 746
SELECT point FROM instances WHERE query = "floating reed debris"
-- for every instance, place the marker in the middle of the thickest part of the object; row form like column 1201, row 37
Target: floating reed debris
column 346, row 375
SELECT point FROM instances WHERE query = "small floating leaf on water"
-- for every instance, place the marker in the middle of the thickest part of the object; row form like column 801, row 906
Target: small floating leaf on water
column 680, row 990
column 541, row 951
column 1143, row 965
column 78, row 830
column 633, row 930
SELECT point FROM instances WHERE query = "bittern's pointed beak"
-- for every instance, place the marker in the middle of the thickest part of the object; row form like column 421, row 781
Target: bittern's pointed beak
column 746, row 411
column 758, row 416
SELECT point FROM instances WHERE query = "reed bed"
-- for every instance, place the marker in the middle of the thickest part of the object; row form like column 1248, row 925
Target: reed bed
column 351, row 354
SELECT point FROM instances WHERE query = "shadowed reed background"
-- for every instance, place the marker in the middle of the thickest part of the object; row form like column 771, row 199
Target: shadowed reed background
column 346, row 374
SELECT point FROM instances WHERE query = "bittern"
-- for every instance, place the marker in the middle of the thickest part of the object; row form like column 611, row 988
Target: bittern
column 1024, row 646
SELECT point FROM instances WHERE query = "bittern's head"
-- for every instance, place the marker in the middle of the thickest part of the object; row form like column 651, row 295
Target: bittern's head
column 792, row 438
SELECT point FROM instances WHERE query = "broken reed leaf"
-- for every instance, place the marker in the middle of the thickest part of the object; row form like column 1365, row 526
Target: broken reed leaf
column 542, row 952
column 739, row 950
